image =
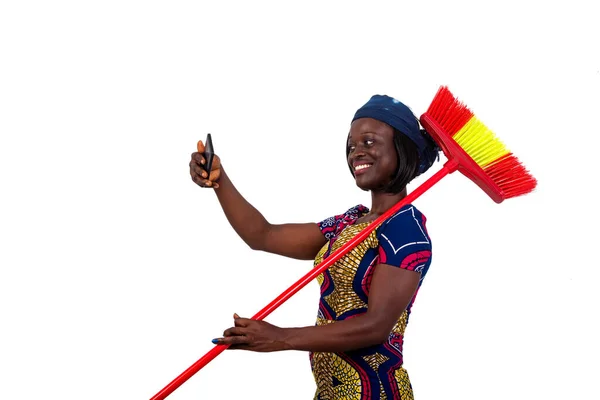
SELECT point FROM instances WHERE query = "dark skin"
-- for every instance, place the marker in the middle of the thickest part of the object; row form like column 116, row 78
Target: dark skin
column 299, row 241
column 373, row 155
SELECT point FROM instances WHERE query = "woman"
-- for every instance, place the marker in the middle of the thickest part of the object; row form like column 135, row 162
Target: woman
column 366, row 297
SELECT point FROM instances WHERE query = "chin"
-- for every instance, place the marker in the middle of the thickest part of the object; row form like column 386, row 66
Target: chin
column 367, row 185
column 363, row 188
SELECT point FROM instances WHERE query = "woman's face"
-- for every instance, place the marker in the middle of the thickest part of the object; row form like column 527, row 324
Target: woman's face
column 372, row 154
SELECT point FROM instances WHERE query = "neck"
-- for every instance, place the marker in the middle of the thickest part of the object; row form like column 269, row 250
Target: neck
column 381, row 202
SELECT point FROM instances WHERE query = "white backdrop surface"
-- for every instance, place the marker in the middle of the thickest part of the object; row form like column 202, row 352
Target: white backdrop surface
column 116, row 270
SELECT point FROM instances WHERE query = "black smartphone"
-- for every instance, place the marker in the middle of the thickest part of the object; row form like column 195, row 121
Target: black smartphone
column 209, row 153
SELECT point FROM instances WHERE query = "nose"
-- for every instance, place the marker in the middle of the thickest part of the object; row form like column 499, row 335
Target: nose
column 360, row 147
column 359, row 153
column 356, row 155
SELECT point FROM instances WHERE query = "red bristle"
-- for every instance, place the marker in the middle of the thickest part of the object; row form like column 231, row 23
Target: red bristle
column 450, row 113
column 511, row 176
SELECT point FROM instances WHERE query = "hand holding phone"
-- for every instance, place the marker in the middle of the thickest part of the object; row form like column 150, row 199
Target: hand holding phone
column 205, row 166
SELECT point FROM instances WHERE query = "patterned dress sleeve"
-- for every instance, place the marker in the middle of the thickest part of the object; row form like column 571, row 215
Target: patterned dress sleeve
column 331, row 226
column 404, row 241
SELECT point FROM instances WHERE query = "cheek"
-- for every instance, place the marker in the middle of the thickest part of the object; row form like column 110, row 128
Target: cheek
column 391, row 163
column 350, row 166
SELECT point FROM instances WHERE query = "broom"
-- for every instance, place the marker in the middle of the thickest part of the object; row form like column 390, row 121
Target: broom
column 470, row 148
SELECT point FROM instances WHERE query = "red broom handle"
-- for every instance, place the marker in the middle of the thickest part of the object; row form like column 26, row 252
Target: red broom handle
column 449, row 167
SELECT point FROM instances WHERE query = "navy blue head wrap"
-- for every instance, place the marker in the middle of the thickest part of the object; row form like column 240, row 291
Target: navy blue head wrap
column 394, row 113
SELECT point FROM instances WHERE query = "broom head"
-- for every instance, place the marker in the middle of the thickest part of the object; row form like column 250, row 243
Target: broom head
column 474, row 149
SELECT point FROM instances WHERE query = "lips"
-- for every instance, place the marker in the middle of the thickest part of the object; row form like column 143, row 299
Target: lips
column 360, row 168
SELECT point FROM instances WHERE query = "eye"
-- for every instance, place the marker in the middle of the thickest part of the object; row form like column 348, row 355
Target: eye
column 351, row 148
column 369, row 142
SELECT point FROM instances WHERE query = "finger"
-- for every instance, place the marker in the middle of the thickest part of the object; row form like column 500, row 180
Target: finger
column 239, row 347
column 201, row 182
column 214, row 174
column 232, row 340
column 198, row 158
column 235, row 331
column 242, row 322
column 198, row 170
column 235, row 316
column 200, row 146
column 197, row 180
column 216, row 164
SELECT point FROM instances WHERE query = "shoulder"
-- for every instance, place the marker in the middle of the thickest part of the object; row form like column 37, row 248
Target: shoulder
column 404, row 228
column 404, row 241
column 331, row 226
column 407, row 217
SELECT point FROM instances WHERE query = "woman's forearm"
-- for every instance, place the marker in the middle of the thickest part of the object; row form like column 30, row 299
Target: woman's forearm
column 296, row 240
column 245, row 219
column 351, row 334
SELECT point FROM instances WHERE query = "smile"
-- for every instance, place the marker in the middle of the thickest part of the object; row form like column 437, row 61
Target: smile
column 362, row 166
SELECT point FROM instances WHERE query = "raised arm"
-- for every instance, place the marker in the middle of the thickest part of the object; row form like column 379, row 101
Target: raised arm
column 300, row 241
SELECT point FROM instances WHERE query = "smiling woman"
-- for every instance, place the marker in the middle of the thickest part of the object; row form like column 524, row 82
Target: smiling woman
column 355, row 347
column 373, row 135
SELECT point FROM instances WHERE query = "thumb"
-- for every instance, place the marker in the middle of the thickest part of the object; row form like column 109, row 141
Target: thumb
column 200, row 146
column 239, row 321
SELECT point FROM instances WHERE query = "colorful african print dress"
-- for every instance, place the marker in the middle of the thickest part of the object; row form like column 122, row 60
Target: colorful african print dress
column 374, row 372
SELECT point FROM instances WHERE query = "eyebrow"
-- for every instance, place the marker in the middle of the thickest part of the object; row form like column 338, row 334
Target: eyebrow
column 363, row 134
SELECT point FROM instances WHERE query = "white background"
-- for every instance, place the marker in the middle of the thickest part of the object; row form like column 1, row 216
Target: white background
column 117, row 271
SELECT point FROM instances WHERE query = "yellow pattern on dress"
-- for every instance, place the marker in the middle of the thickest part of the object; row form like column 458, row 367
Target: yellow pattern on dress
column 374, row 361
column 343, row 298
column 406, row 392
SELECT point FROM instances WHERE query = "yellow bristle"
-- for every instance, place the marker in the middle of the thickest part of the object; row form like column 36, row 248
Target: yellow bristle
column 480, row 143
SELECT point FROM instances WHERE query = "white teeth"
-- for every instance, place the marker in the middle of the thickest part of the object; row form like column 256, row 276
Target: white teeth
column 362, row 166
